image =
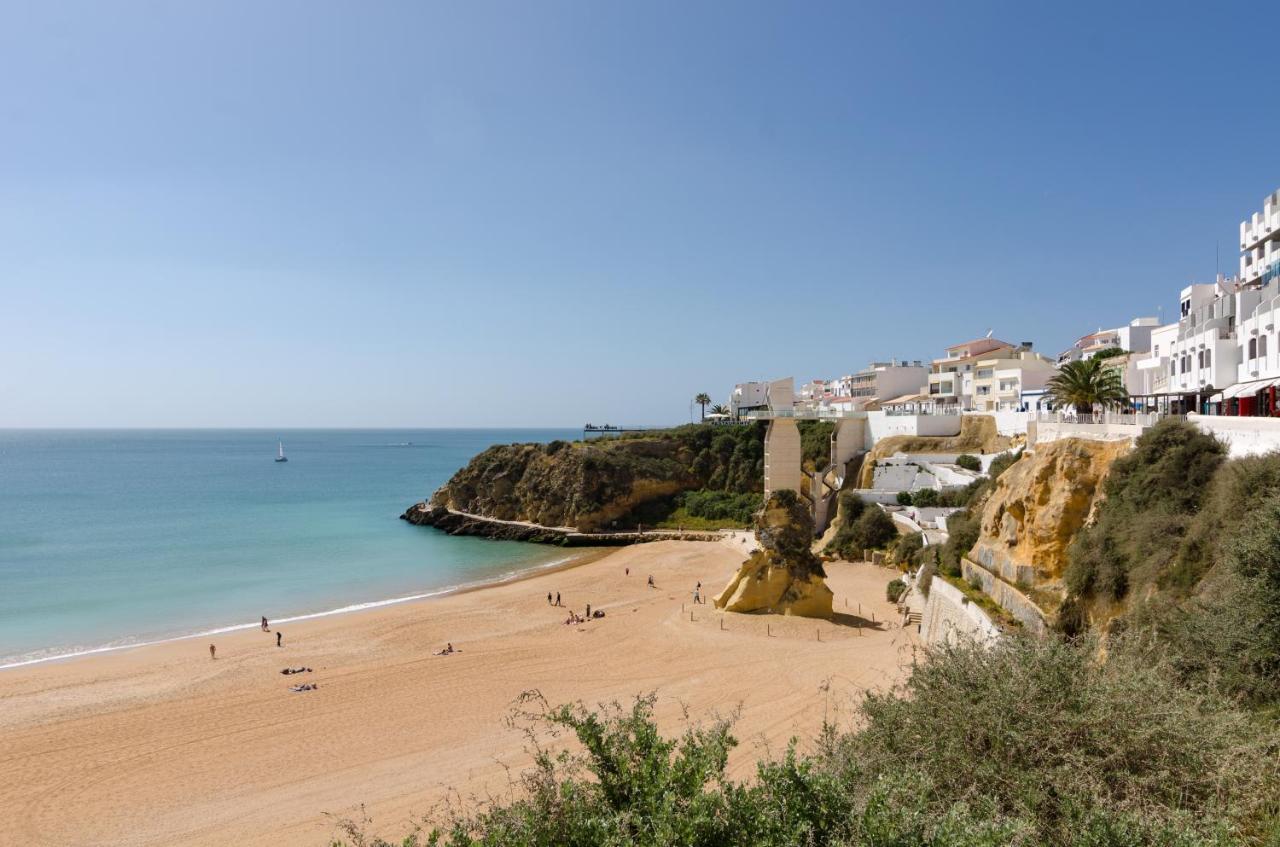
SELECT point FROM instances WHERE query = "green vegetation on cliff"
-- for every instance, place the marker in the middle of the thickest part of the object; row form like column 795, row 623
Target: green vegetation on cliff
column 599, row 484
column 1026, row 743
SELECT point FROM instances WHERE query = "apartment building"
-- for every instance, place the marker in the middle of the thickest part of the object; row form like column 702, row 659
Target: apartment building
column 1135, row 337
column 951, row 378
column 999, row 384
column 1260, row 243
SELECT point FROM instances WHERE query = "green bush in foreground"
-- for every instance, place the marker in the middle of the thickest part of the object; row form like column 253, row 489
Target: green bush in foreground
column 968, row 462
column 1026, row 743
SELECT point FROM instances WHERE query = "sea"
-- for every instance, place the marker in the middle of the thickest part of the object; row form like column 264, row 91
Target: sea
column 110, row 539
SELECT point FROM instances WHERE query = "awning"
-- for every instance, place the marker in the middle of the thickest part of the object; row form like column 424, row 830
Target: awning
column 1244, row 389
column 905, row 398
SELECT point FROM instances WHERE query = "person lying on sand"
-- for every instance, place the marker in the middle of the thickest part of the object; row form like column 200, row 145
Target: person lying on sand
column 288, row 671
column 447, row 650
column 306, row 686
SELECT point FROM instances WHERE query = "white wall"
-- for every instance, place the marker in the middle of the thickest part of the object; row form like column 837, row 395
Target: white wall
column 1009, row 423
column 881, row 425
column 1243, row 436
column 948, row 616
column 1046, row 432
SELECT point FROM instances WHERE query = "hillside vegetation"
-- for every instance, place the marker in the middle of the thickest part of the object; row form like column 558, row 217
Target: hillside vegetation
column 593, row 485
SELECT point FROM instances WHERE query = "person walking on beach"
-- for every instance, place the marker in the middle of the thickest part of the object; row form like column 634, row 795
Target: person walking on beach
column 627, row 571
column 588, row 611
column 265, row 626
column 557, row 598
column 213, row 652
column 548, row 598
column 279, row 638
column 651, row 585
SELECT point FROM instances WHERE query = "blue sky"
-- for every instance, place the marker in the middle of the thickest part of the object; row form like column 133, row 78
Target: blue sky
column 535, row 213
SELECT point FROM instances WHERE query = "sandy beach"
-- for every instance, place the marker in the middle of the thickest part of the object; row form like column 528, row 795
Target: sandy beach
column 161, row 745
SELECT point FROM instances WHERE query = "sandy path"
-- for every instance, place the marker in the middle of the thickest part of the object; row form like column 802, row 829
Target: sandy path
column 160, row 745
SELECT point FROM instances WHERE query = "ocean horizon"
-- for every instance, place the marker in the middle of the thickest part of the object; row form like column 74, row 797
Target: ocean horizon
column 112, row 538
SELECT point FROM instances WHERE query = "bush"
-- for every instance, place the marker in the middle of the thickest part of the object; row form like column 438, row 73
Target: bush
column 1152, row 496
column 908, row 547
column 904, row 498
column 926, row 497
column 969, row 463
column 873, row 529
column 1027, row 742
column 894, row 590
column 721, row 505
column 1002, row 463
column 962, row 534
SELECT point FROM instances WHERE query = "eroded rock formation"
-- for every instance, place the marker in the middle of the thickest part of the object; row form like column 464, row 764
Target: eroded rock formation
column 1037, row 507
column 592, row 486
column 783, row 576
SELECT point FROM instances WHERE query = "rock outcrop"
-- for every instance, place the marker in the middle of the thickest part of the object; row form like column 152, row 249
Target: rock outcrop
column 783, row 576
column 1038, row 505
column 592, row 486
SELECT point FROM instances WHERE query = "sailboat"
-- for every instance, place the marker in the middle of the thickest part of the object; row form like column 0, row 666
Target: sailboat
column 280, row 457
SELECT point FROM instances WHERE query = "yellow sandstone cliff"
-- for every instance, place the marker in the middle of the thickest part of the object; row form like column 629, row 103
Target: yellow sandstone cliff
column 784, row 576
column 1038, row 505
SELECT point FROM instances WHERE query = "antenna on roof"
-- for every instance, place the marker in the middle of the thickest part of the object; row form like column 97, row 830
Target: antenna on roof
column 989, row 332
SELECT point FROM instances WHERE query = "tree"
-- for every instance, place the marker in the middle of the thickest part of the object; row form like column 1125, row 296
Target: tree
column 702, row 399
column 1087, row 384
column 719, row 409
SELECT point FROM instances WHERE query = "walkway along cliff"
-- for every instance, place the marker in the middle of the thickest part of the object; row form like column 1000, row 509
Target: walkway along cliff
column 598, row 492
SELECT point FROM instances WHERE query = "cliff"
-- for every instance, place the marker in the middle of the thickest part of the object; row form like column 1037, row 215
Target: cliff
column 591, row 486
column 1037, row 507
column 977, row 435
column 783, row 576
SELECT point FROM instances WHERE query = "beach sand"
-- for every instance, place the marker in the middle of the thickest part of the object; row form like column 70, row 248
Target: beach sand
column 160, row 745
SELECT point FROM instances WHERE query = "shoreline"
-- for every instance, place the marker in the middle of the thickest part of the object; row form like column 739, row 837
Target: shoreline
column 224, row 752
column 580, row 556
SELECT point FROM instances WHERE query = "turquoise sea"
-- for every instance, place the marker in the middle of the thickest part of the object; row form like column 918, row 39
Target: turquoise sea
column 111, row 538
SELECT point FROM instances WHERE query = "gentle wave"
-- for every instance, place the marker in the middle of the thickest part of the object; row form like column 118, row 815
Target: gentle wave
column 43, row 656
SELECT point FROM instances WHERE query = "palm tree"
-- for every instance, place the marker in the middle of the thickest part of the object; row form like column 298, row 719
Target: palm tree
column 719, row 409
column 1086, row 384
column 702, row 399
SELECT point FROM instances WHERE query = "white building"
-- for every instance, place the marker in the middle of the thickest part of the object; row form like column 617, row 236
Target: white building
column 954, row 381
column 1000, row 384
column 1260, row 243
column 1132, row 338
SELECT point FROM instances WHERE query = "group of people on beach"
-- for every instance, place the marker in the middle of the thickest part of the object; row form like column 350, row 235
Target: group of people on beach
column 266, row 627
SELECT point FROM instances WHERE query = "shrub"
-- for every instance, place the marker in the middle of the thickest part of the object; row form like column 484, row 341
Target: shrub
column 721, row 505
column 872, row 529
column 1002, row 463
column 926, row 497
column 1152, row 496
column 894, row 590
column 1026, row 742
column 904, row 498
column 968, row 462
column 962, row 534
column 908, row 547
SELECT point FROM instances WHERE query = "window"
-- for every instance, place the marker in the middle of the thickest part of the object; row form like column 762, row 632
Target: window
column 1156, row 352
column 1262, row 346
column 1173, row 369
column 1200, row 359
column 1208, row 358
column 1253, row 348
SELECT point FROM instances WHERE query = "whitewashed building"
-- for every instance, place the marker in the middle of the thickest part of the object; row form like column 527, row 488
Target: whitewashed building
column 1260, row 243
column 1135, row 337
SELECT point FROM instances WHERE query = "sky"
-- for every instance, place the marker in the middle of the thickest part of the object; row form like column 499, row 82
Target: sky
column 321, row 214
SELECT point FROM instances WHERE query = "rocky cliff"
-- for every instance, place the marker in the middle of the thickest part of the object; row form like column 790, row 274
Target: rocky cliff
column 783, row 576
column 591, row 486
column 1036, row 508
